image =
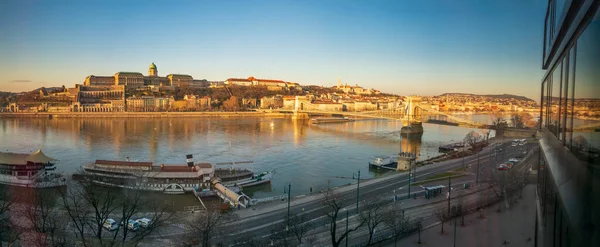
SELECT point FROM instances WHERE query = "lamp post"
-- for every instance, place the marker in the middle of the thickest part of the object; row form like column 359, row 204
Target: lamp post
column 357, row 192
column 449, row 191
column 454, row 232
column 477, row 179
column 409, row 179
column 289, row 196
column 347, row 228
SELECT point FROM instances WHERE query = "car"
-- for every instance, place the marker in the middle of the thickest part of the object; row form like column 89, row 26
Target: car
column 503, row 167
column 514, row 160
column 498, row 150
column 110, row 224
column 144, row 222
column 131, row 225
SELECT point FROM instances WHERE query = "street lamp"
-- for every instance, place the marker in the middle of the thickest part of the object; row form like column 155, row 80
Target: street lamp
column 289, row 196
column 357, row 188
column 455, row 232
column 477, row 179
column 449, row 191
column 346, row 227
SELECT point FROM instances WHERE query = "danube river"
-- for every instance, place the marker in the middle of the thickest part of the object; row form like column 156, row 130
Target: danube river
column 304, row 155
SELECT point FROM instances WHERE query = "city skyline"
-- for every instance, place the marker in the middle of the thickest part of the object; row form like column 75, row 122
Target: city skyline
column 394, row 47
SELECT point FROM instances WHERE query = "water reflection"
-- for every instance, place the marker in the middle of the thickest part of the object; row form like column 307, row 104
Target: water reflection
column 303, row 154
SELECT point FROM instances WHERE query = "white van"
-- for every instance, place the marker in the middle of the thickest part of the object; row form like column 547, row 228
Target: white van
column 110, row 225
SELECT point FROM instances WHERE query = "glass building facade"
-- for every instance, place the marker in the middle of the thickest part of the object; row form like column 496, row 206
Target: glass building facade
column 568, row 191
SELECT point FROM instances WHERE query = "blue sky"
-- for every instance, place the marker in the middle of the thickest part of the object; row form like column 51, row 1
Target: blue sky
column 405, row 47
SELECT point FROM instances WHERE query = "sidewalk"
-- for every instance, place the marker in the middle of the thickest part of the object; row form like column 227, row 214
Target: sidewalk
column 515, row 225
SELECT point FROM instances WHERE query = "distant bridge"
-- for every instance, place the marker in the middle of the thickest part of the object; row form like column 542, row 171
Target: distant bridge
column 587, row 128
column 410, row 111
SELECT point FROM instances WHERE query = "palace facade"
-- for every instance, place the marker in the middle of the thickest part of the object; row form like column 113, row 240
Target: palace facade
column 137, row 80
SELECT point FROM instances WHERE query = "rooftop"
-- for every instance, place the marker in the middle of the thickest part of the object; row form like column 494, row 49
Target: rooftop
column 22, row 159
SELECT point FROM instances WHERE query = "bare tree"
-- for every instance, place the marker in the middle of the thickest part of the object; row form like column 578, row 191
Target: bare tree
column 396, row 221
column 279, row 237
column 473, row 138
column 45, row 222
column 486, row 134
column 460, row 208
column 517, row 121
column 372, row 215
column 208, row 225
column 88, row 208
column 299, row 226
column 8, row 234
column 78, row 213
column 442, row 215
column 334, row 205
column 103, row 204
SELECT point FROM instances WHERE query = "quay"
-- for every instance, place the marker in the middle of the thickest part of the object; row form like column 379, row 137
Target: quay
column 140, row 114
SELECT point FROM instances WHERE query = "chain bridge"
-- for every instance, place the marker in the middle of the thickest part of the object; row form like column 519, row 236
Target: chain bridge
column 410, row 113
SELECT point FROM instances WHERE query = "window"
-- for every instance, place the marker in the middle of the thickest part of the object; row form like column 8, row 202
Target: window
column 553, row 99
column 586, row 111
column 570, row 102
column 559, row 6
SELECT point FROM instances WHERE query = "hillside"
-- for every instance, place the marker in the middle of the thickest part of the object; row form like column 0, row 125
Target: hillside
column 495, row 96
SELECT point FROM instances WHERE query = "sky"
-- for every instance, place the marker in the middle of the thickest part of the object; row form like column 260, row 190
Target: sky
column 405, row 47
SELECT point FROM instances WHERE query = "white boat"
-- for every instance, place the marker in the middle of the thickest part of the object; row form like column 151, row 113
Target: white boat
column 261, row 178
column 169, row 179
column 29, row 170
column 382, row 161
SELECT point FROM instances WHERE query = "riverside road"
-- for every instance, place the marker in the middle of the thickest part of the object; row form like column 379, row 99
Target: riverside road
column 262, row 220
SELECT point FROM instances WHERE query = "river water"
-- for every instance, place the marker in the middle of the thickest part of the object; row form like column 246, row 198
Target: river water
column 302, row 154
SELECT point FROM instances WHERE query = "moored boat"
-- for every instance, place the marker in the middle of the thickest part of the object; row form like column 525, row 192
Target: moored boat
column 169, row 179
column 331, row 120
column 258, row 179
column 29, row 170
column 382, row 160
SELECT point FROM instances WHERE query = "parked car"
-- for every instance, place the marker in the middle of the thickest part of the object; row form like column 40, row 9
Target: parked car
column 144, row 222
column 110, row 224
column 503, row 167
column 131, row 225
column 514, row 160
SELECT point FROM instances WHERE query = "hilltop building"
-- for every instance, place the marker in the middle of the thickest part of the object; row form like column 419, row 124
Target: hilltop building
column 137, row 80
column 271, row 84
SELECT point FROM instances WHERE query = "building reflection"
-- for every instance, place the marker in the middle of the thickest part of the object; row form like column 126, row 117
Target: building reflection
column 299, row 132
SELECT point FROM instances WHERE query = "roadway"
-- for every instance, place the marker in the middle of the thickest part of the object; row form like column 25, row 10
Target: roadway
column 261, row 220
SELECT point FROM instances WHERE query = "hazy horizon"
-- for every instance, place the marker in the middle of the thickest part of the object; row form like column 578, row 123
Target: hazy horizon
column 401, row 47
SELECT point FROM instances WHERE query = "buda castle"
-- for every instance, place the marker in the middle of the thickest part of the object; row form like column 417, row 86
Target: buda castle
column 138, row 80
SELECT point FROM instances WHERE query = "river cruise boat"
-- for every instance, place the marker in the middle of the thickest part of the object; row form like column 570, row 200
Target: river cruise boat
column 322, row 120
column 29, row 170
column 382, row 160
column 169, row 179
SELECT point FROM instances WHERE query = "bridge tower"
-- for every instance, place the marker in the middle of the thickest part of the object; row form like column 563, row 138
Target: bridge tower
column 411, row 122
column 298, row 107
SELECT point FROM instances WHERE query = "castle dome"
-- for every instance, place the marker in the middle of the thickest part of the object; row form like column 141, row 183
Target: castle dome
column 153, row 66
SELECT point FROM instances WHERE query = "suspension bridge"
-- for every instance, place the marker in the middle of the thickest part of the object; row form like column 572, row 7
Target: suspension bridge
column 410, row 113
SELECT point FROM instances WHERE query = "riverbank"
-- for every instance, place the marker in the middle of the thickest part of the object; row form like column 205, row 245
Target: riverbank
column 141, row 114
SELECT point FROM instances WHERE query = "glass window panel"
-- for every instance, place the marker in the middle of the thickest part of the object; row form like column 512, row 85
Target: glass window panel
column 570, row 98
column 560, row 7
column 554, row 107
column 564, row 99
column 543, row 105
column 586, row 122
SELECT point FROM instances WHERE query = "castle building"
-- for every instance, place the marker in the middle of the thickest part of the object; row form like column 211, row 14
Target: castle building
column 137, row 80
